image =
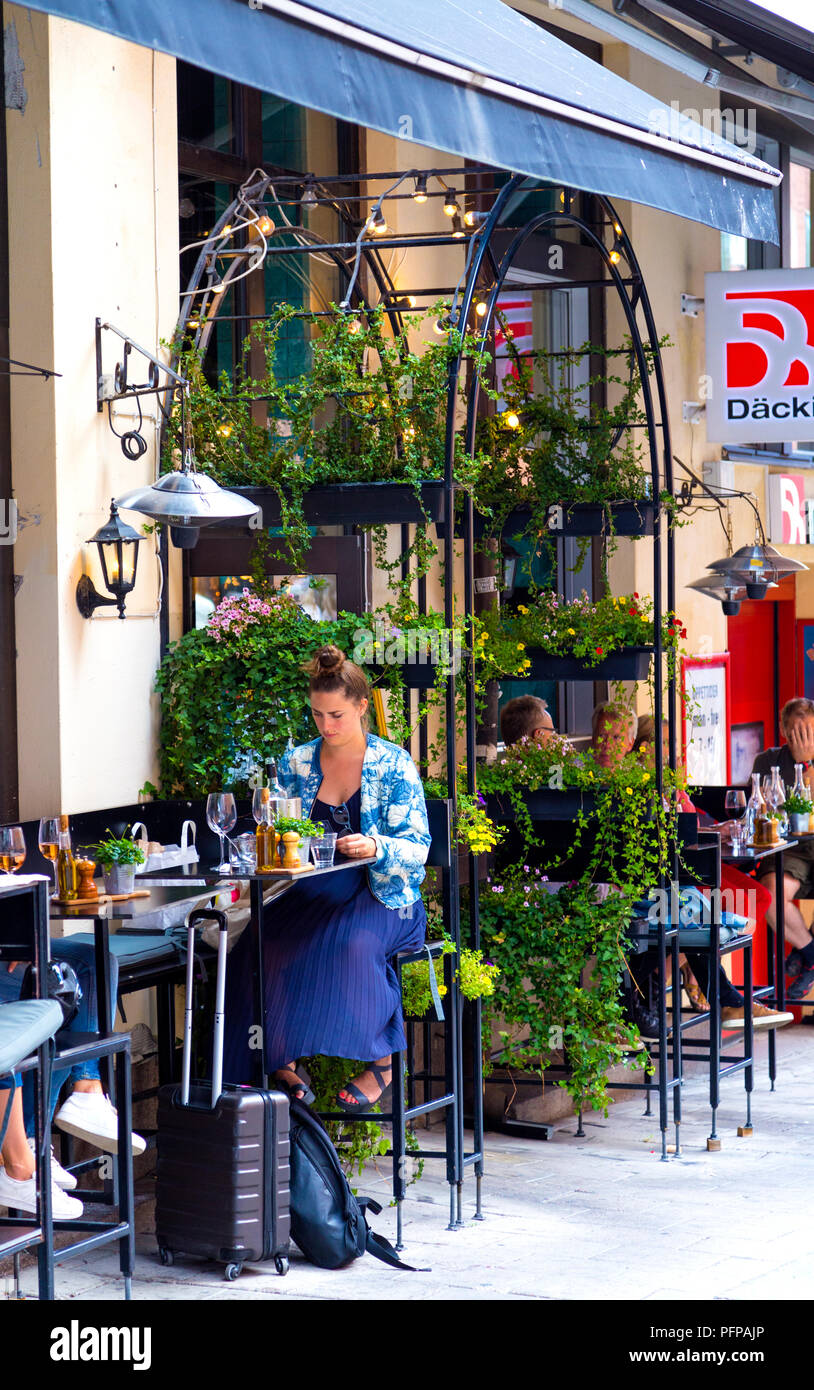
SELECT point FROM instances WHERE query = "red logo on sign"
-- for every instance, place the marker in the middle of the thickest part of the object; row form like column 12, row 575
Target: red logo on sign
column 776, row 348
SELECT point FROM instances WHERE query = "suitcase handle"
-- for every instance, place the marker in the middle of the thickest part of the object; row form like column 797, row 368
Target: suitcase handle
column 205, row 914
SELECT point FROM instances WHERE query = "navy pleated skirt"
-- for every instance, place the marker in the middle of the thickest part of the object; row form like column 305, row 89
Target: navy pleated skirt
column 329, row 987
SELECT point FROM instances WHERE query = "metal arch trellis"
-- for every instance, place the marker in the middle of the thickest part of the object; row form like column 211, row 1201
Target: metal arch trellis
column 633, row 295
column 201, row 306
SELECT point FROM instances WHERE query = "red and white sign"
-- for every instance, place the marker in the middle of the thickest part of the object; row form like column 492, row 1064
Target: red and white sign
column 791, row 513
column 760, row 356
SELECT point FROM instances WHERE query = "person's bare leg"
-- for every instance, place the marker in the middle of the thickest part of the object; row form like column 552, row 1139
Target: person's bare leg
column 367, row 1082
column 795, row 930
column 17, row 1156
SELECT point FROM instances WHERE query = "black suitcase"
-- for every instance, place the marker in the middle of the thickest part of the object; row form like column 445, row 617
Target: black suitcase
column 223, row 1167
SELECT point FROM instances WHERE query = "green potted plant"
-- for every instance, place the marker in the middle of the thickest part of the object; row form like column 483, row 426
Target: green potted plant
column 118, row 859
column 798, row 810
column 297, row 825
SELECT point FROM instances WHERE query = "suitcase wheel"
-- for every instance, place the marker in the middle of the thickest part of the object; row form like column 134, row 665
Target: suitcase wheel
column 165, row 1256
column 232, row 1271
column 281, row 1264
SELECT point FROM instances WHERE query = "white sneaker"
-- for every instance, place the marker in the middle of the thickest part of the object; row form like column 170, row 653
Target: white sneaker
column 59, row 1175
column 21, row 1194
column 89, row 1115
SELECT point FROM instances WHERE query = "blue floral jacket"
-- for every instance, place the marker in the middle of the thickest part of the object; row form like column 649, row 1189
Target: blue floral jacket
column 393, row 812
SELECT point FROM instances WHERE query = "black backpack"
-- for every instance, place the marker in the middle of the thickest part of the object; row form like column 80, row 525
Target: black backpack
column 328, row 1223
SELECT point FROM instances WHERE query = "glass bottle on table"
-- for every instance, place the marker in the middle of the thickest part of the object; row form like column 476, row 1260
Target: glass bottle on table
column 276, row 793
column 755, row 808
column 66, row 864
column 48, row 841
column 264, row 835
column 777, row 801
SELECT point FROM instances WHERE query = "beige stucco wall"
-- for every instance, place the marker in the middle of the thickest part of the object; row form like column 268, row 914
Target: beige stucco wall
column 93, row 231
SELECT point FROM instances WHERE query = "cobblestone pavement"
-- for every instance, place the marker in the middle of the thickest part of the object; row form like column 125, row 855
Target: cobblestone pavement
column 571, row 1218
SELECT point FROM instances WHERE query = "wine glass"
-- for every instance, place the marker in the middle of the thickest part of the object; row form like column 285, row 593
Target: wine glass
column 735, row 804
column 260, row 807
column 12, row 848
column 221, row 816
column 48, row 841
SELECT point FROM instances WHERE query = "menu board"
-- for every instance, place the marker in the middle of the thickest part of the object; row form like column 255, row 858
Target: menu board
column 705, row 688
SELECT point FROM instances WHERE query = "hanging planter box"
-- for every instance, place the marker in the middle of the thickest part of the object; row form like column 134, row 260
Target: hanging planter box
column 416, row 675
column 629, row 518
column 628, row 664
column 543, row 804
column 355, row 504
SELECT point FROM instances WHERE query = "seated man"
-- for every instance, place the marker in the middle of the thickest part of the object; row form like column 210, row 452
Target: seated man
column 613, row 732
column 797, row 724
column 526, row 716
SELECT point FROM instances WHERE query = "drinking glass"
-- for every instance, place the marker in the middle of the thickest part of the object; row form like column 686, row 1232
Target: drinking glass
column 323, row 848
column 735, row 804
column 48, row 841
column 221, row 816
column 243, row 853
column 12, row 848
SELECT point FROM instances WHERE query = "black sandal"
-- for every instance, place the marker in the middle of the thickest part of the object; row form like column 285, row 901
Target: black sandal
column 295, row 1090
column 362, row 1102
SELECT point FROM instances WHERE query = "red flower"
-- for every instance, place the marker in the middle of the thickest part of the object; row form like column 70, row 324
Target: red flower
column 632, row 612
column 635, row 595
column 599, row 651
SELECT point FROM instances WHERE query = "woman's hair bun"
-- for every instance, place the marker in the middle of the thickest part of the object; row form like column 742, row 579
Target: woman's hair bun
column 327, row 661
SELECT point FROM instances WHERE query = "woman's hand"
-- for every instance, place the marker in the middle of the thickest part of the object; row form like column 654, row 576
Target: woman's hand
column 357, row 846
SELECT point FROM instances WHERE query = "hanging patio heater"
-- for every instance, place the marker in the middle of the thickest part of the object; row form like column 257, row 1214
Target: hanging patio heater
column 185, row 501
column 756, row 567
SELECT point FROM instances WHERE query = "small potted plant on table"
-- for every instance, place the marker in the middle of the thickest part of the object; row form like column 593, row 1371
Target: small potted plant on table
column 799, row 810
column 300, row 826
column 118, row 859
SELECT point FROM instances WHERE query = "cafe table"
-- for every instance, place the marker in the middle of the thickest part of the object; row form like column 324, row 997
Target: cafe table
column 773, row 994
column 143, row 914
column 208, row 882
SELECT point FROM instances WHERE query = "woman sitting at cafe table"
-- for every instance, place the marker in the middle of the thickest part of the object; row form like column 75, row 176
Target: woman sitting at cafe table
column 329, row 987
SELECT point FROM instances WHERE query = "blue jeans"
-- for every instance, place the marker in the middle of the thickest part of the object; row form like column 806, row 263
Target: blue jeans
column 82, row 957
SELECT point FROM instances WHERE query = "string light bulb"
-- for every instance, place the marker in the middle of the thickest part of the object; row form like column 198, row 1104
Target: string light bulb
column 616, row 253
column 224, row 231
column 480, row 308
column 224, row 431
column 265, row 225
column 309, row 195
column 511, row 420
column 354, row 327
column 441, row 326
column 451, row 208
column 376, row 222
column 457, row 228
column 420, row 194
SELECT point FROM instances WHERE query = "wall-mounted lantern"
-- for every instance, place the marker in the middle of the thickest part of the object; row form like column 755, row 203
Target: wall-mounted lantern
column 118, row 547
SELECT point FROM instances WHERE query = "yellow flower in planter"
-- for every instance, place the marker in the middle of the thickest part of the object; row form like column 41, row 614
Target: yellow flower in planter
column 522, row 609
column 571, row 632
